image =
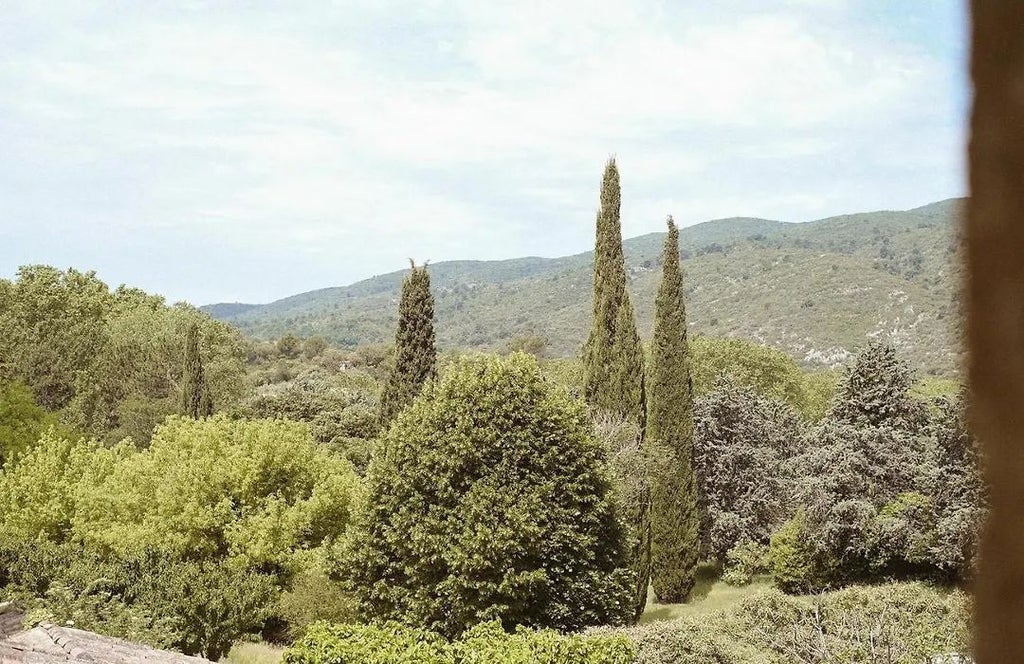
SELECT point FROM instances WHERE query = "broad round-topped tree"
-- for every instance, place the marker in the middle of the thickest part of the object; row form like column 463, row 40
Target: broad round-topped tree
column 489, row 499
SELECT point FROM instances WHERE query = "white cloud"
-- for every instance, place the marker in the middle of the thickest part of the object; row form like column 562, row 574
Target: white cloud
column 460, row 129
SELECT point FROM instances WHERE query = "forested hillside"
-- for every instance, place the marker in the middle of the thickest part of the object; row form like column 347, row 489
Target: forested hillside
column 818, row 290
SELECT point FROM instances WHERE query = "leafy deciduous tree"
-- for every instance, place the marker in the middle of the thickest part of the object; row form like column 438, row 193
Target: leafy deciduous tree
column 489, row 499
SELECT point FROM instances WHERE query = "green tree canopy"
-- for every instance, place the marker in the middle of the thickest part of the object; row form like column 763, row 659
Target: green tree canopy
column 261, row 491
column 108, row 362
column 489, row 499
column 613, row 358
column 22, row 422
column 768, row 370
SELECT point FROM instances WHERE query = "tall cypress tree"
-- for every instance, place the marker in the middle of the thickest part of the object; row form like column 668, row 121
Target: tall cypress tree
column 196, row 400
column 675, row 520
column 415, row 353
column 613, row 358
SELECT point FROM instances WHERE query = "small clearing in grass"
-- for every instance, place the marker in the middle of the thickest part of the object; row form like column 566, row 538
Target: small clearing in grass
column 709, row 594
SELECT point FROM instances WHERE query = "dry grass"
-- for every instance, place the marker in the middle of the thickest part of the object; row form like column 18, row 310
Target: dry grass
column 254, row 653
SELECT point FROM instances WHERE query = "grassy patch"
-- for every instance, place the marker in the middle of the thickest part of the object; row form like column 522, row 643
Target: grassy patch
column 254, row 653
column 709, row 594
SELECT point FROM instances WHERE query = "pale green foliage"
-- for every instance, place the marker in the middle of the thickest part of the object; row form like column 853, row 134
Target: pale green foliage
column 190, row 539
column 312, row 597
column 485, row 643
column 819, row 389
column 22, row 422
column 745, row 561
column 489, row 498
column 797, row 564
column 254, row 653
column 258, row 491
column 767, row 370
column 39, row 494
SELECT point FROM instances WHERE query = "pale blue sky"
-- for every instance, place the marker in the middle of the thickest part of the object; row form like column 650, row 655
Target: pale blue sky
column 248, row 150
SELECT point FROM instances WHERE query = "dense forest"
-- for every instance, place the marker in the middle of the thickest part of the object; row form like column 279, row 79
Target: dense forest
column 663, row 494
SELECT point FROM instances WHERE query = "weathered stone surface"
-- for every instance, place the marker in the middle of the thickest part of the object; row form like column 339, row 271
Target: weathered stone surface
column 47, row 644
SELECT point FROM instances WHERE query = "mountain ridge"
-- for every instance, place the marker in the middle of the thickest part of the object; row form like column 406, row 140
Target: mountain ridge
column 735, row 268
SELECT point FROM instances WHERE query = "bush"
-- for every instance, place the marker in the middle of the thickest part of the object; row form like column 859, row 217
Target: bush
column 313, row 597
column 489, row 499
column 488, row 642
column 745, row 561
column 901, row 623
column 22, row 422
column 392, row 643
column 186, row 543
column 162, row 600
column 690, row 641
column 770, row 372
column 796, row 564
column 961, row 497
column 260, row 492
column 903, row 534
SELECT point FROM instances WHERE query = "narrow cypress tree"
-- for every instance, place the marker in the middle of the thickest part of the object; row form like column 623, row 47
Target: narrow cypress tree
column 196, row 400
column 415, row 354
column 675, row 520
column 613, row 358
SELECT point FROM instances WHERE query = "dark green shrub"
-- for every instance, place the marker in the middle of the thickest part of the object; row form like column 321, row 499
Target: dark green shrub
column 313, row 597
column 489, row 499
column 742, row 445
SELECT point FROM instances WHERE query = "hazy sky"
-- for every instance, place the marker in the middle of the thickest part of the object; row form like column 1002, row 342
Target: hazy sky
column 252, row 150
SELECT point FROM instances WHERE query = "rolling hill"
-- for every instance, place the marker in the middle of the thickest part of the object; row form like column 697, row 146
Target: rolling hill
column 818, row 290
